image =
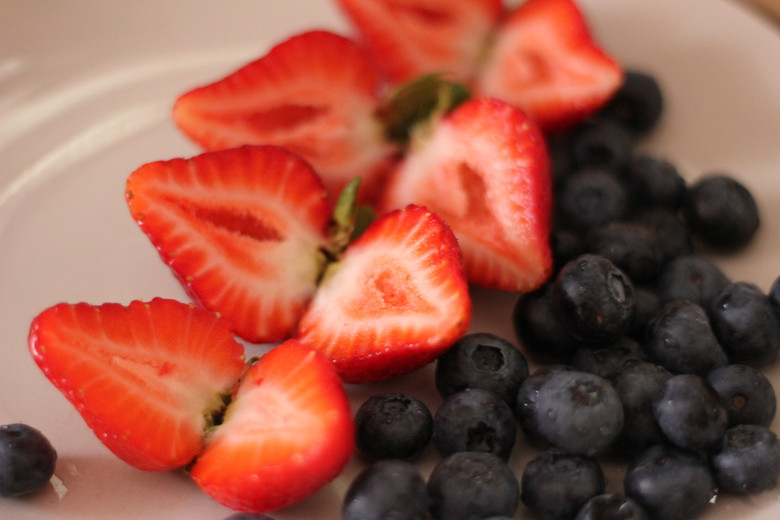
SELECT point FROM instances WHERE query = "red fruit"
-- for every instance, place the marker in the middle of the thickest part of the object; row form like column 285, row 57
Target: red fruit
column 484, row 169
column 409, row 38
column 287, row 432
column 147, row 378
column 314, row 94
column 242, row 229
column 545, row 61
column 396, row 300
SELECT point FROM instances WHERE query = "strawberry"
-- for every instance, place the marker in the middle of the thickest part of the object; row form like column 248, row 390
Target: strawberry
column 545, row 61
column 409, row 38
column 147, row 378
column 314, row 94
column 287, row 432
column 484, row 169
column 395, row 300
column 242, row 229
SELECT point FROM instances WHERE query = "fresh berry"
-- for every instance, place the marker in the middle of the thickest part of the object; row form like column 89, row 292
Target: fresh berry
column 655, row 182
column 27, row 460
column 746, row 393
column 387, row 489
column 591, row 197
column 242, row 230
column 691, row 277
column 482, row 360
column 646, row 307
column 475, row 420
column 527, row 396
column 287, row 432
column 149, row 378
column 314, row 94
column 611, row 506
column 673, row 234
column 566, row 245
column 556, row 484
column 747, row 460
column 462, row 171
column 600, row 145
column 609, row 359
column 631, row 246
column 468, row 485
column 774, row 295
column 539, row 328
column 638, row 104
column 392, row 426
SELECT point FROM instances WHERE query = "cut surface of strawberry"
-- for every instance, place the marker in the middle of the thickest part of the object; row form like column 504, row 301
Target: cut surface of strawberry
column 396, row 299
column 545, row 60
column 147, row 377
column 409, row 38
column 314, row 94
column 242, row 229
column 287, row 432
column 484, row 170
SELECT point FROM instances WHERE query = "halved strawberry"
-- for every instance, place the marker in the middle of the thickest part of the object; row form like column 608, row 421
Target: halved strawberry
column 545, row 61
column 314, row 94
column 147, row 378
column 242, row 229
column 409, row 38
column 395, row 300
column 484, row 170
column 287, row 432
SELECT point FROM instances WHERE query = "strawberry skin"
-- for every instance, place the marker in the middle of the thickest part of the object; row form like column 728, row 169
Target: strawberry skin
column 287, row 432
column 146, row 377
column 484, row 169
column 314, row 94
column 409, row 38
column 242, row 230
column 545, row 61
column 396, row 300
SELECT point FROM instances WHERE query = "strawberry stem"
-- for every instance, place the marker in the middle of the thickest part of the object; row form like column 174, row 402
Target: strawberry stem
column 349, row 220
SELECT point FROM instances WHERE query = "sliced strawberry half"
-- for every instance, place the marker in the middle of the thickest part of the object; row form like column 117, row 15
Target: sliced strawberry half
column 147, row 378
column 287, row 432
column 409, row 38
column 484, row 169
column 395, row 300
column 242, row 229
column 314, row 94
column 545, row 60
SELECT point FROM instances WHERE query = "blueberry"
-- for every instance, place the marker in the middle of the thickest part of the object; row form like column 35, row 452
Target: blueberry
column 539, row 328
column 673, row 234
column 611, row 506
column 481, row 360
column 578, row 412
column 27, row 460
column 721, row 211
column 747, row 460
column 601, row 143
column 646, row 306
column 689, row 412
column 566, row 245
column 746, row 393
column 631, row 246
column 693, row 278
column 388, row 488
column 591, row 197
column 638, row 104
column 472, row 486
column 655, row 182
column 680, row 338
column 669, row 483
column 595, row 299
column 608, row 360
column 555, row 484
column 774, row 295
column 746, row 324
column 475, row 420
column 529, row 393
column 392, row 425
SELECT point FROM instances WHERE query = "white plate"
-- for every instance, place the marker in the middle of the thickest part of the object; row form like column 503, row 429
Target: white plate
column 85, row 93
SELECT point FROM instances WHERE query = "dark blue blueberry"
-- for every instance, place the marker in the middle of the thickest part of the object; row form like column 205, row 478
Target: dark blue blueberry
column 673, row 234
column 638, row 104
column 594, row 298
column 601, row 143
column 680, row 338
column 631, row 246
column 555, row 484
column 692, row 278
column 746, row 324
column 529, row 393
column 689, row 412
column 774, row 295
column 578, row 412
column 669, row 483
column 636, row 387
column 392, row 425
column 646, row 306
column 655, row 182
column 475, row 420
column 481, row 360
column 472, row 485
column 27, row 460
column 721, row 211
column 608, row 360
column 747, row 460
column 611, row 506
column 589, row 198
column 539, row 328
column 566, row 245
column 387, row 488
column 746, row 393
